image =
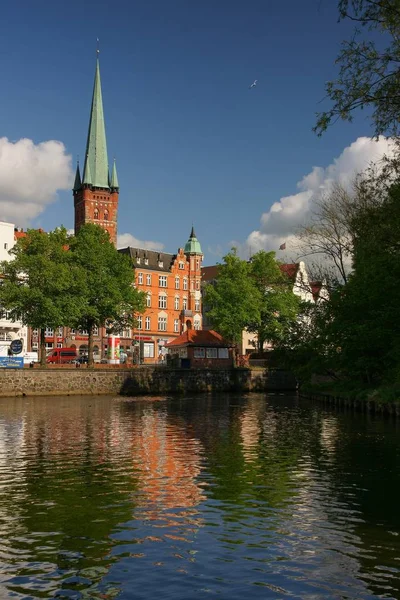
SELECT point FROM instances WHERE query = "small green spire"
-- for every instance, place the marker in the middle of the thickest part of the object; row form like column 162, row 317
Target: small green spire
column 193, row 245
column 87, row 175
column 114, row 178
column 96, row 163
column 78, row 181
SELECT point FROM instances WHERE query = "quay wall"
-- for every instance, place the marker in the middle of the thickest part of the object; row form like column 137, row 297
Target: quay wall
column 130, row 382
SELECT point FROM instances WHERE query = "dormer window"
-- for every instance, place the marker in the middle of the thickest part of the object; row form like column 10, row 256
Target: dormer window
column 146, row 261
column 160, row 264
column 138, row 260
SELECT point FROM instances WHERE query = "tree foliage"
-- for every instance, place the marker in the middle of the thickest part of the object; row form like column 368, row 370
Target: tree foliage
column 234, row 300
column 369, row 67
column 41, row 283
column 109, row 296
column 355, row 335
column 252, row 295
column 279, row 306
column 56, row 280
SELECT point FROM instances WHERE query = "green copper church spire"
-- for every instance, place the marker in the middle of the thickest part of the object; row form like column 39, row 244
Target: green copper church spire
column 96, row 163
column 78, row 182
column 114, row 178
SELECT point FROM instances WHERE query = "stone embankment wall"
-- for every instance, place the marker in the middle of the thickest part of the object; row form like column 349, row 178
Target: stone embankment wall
column 132, row 382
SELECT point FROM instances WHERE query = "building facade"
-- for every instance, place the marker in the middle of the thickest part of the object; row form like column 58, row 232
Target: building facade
column 9, row 330
column 172, row 284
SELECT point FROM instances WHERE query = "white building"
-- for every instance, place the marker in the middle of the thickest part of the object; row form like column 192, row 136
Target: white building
column 9, row 330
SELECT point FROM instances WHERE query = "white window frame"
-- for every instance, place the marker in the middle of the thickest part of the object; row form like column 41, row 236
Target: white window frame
column 176, row 325
column 148, row 279
column 147, row 323
column 177, row 282
column 162, row 323
column 140, row 278
column 140, row 322
column 162, row 281
column 185, row 283
column 148, row 300
column 212, row 352
column 223, row 353
column 199, row 353
column 184, row 303
column 176, row 303
column 162, row 301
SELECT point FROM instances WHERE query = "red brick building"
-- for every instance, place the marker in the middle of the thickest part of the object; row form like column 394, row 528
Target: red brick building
column 172, row 283
column 96, row 193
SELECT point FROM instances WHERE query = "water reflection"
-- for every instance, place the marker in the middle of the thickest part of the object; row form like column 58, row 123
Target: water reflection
column 269, row 498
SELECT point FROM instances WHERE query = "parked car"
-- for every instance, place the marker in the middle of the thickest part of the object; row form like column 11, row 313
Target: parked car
column 61, row 356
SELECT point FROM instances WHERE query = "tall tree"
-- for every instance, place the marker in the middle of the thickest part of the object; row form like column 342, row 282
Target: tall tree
column 326, row 237
column 41, row 283
column 278, row 304
column 109, row 297
column 369, row 71
column 234, row 300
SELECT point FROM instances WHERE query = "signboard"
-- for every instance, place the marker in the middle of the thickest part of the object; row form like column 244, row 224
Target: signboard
column 11, row 362
column 143, row 338
column 16, row 346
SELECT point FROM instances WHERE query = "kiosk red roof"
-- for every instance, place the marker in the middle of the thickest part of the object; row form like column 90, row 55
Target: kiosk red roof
column 194, row 337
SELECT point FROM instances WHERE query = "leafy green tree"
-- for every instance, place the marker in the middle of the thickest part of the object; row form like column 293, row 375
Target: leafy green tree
column 279, row 306
column 369, row 72
column 41, row 283
column 234, row 300
column 366, row 323
column 109, row 297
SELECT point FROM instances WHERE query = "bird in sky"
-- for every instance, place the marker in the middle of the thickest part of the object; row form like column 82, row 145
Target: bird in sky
column 253, row 84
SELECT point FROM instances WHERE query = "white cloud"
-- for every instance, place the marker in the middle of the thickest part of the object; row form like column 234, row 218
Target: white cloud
column 280, row 221
column 127, row 239
column 30, row 175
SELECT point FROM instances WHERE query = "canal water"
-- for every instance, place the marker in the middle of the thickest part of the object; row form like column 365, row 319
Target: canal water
column 247, row 497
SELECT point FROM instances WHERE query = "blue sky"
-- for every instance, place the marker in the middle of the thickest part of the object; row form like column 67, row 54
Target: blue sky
column 192, row 142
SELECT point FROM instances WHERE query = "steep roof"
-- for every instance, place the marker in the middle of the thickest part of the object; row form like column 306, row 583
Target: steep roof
column 202, row 337
column 315, row 289
column 153, row 257
column 290, row 270
column 114, row 177
column 95, row 171
column 18, row 234
column 209, row 273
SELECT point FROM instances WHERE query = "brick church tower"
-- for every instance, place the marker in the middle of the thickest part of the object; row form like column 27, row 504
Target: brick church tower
column 96, row 193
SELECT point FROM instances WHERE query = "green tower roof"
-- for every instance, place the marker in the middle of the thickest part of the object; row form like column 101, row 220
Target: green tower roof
column 87, row 175
column 193, row 245
column 78, row 181
column 96, row 163
column 114, row 177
